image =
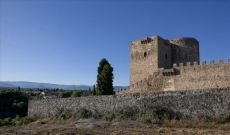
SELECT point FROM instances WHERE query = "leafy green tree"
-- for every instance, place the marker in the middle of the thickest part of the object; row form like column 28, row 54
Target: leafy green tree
column 61, row 95
column 14, row 102
column 104, row 78
column 75, row 94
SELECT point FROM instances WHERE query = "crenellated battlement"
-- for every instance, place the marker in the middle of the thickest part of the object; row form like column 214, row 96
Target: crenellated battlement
column 203, row 63
column 166, row 79
column 195, row 64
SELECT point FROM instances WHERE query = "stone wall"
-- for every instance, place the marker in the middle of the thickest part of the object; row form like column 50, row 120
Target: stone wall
column 184, row 77
column 202, row 76
column 194, row 103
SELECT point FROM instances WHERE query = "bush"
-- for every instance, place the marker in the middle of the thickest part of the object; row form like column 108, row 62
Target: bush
column 17, row 121
column 6, row 121
column 21, row 120
column 61, row 114
column 219, row 120
column 161, row 113
column 83, row 113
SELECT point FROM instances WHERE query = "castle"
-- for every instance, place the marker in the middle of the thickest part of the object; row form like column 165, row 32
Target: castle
column 157, row 64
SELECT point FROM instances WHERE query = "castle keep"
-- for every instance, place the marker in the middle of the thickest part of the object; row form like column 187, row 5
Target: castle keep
column 157, row 64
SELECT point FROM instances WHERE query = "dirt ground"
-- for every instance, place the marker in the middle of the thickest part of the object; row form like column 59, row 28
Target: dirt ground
column 95, row 127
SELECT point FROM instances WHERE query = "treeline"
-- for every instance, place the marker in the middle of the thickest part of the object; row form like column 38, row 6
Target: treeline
column 75, row 93
column 13, row 102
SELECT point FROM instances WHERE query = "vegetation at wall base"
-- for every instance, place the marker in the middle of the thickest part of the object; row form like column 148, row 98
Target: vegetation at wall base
column 17, row 121
column 154, row 115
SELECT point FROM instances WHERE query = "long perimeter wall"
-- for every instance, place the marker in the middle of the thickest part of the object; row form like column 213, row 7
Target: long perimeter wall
column 210, row 102
column 184, row 77
column 202, row 76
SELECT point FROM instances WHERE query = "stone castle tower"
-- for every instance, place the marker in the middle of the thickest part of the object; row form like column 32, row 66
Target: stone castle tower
column 157, row 64
column 149, row 54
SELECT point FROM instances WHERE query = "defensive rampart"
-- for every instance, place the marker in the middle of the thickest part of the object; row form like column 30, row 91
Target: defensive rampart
column 184, row 77
column 202, row 76
column 194, row 103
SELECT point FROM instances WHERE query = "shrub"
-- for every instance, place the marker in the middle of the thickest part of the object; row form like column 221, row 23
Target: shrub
column 83, row 113
column 161, row 113
column 6, row 121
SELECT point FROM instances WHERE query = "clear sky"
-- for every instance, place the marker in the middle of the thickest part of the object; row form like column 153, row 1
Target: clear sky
column 62, row 42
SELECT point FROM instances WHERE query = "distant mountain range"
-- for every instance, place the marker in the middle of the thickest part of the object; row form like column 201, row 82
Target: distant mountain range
column 25, row 84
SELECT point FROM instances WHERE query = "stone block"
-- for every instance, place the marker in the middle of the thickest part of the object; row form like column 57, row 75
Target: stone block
column 221, row 62
column 175, row 65
column 203, row 63
column 195, row 63
column 212, row 62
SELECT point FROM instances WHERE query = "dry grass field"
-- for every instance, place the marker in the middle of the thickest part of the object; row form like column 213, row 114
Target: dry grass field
column 98, row 127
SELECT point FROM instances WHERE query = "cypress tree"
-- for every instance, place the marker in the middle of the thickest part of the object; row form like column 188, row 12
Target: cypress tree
column 104, row 78
column 94, row 90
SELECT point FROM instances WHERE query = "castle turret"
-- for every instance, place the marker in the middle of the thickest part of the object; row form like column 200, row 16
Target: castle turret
column 143, row 58
column 147, row 55
column 185, row 49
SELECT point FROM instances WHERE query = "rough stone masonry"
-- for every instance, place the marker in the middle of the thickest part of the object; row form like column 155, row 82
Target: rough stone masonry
column 194, row 103
column 157, row 64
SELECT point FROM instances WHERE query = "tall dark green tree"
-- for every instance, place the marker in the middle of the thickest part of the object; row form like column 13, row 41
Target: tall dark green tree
column 94, row 90
column 104, row 78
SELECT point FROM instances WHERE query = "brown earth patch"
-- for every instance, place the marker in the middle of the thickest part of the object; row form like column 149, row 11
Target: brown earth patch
column 97, row 127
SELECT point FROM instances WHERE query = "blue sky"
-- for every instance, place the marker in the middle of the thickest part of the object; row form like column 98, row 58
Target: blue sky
column 62, row 42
